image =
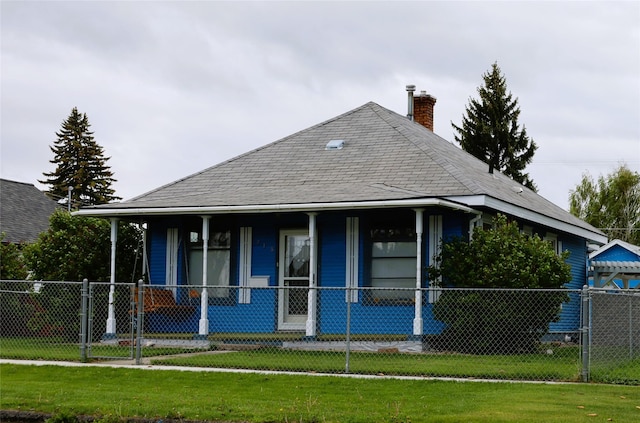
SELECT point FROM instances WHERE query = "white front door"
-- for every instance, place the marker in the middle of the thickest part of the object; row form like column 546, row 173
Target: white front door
column 293, row 279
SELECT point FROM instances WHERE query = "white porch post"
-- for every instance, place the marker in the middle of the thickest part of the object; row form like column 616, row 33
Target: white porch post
column 417, row 320
column 204, row 295
column 145, row 265
column 312, row 295
column 111, row 319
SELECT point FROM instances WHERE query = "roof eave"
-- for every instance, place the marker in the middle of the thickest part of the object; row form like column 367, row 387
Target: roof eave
column 513, row 210
column 272, row 208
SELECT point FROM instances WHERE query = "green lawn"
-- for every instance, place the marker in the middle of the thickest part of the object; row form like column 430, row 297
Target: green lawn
column 117, row 394
column 563, row 364
column 50, row 349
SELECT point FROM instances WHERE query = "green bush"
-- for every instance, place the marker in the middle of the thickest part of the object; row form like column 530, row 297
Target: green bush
column 12, row 266
column 498, row 321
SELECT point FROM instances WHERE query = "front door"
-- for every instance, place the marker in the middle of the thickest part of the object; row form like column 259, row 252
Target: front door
column 293, row 279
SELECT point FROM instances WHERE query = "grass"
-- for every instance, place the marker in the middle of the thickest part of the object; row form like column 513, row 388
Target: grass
column 564, row 366
column 59, row 350
column 626, row 372
column 118, row 394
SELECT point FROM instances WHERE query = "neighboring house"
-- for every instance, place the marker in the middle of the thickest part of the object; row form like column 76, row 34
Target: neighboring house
column 24, row 211
column 616, row 265
column 361, row 200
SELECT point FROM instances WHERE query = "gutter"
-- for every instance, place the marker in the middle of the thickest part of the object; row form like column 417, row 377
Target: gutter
column 539, row 218
column 271, row 208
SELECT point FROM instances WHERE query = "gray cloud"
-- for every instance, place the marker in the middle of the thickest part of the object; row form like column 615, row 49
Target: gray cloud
column 172, row 88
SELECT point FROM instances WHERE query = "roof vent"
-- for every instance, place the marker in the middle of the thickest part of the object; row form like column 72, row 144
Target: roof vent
column 335, row 145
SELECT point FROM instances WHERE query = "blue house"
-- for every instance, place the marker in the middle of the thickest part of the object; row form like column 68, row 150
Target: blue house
column 361, row 200
column 616, row 265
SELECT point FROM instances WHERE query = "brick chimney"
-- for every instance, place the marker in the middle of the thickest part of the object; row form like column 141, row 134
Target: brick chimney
column 423, row 109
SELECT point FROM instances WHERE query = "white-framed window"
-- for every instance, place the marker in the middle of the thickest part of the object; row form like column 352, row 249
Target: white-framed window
column 392, row 261
column 552, row 239
column 487, row 221
column 218, row 261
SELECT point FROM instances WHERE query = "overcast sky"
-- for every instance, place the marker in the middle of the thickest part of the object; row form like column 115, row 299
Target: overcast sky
column 171, row 88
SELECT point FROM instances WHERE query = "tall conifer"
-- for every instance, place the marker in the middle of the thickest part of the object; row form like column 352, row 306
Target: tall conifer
column 80, row 164
column 490, row 130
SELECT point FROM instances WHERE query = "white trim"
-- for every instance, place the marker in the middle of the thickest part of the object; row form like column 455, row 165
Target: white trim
column 417, row 317
column 270, row 208
column 171, row 263
column 627, row 246
column 111, row 319
column 313, row 281
column 203, row 324
column 298, row 324
column 553, row 240
column 244, row 296
column 352, row 259
column 511, row 209
column 435, row 246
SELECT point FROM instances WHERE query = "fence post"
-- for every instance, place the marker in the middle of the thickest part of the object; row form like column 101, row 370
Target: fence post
column 630, row 328
column 139, row 321
column 585, row 332
column 348, row 331
column 83, row 320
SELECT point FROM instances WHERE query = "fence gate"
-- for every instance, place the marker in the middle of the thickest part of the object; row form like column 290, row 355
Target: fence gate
column 109, row 321
column 614, row 350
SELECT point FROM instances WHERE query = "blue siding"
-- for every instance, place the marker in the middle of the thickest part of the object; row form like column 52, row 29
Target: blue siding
column 454, row 225
column 261, row 314
column 617, row 253
column 264, row 252
column 332, row 252
column 157, row 254
column 570, row 314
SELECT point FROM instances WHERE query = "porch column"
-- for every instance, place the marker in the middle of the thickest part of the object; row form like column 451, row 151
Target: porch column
column 110, row 332
column 417, row 319
column 145, row 264
column 204, row 295
column 312, row 295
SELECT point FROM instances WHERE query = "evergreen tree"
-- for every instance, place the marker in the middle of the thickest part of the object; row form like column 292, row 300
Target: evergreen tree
column 80, row 164
column 490, row 130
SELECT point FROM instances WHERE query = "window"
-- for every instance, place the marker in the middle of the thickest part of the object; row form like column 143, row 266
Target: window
column 393, row 261
column 218, row 261
column 552, row 239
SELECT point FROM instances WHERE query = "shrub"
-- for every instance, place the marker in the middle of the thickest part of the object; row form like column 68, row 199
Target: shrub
column 498, row 321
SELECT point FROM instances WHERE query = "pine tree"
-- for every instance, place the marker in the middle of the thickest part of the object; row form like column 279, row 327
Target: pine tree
column 490, row 130
column 80, row 164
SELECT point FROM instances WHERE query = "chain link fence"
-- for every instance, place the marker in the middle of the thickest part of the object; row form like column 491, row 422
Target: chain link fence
column 615, row 336
column 454, row 333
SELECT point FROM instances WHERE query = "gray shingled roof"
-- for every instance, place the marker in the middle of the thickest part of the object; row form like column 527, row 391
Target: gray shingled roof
column 24, row 211
column 385, row 157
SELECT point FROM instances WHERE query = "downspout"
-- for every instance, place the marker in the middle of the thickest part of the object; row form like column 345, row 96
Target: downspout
column 417, row 320
column 110, row 332
column 312, row 294
column 472, row 224
column 203, row 328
